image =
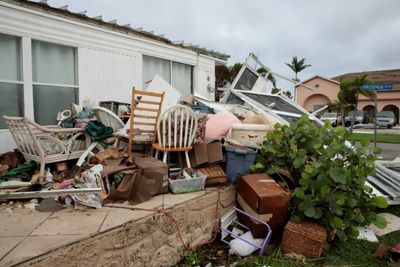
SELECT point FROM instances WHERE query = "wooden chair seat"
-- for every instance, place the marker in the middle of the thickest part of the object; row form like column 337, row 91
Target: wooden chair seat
column 157, row 146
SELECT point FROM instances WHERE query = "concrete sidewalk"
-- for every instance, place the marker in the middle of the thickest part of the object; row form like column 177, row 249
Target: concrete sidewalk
column 26, row 233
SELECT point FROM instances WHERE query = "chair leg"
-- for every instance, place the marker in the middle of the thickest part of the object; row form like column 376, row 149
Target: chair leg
column 187, row 159
column 42, row 165
column 165, row 157
column 156, row 155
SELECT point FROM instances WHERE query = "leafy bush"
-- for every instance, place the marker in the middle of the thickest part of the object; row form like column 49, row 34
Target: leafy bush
column 326, row 176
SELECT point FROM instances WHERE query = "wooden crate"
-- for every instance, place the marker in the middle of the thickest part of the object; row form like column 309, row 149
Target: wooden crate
column 306, row 238
column 215, row 175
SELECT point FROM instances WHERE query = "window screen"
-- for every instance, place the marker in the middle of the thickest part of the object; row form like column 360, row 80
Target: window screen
column 274, row 102
column 246, row 80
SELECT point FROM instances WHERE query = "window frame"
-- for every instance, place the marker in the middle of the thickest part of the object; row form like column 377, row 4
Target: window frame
column 27, row 72
column 21, row 82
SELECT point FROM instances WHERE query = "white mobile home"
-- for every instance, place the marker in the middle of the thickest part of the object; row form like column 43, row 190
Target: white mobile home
column 50, row 57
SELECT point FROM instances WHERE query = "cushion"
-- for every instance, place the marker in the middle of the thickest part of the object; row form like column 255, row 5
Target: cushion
column 219, row 124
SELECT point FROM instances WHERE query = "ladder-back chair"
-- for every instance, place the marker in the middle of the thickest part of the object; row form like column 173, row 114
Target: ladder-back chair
column 145, row 111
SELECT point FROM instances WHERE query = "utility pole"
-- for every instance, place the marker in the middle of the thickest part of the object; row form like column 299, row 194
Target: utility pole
column 376, row 111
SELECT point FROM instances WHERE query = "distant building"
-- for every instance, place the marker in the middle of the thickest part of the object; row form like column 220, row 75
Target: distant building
column 326, row 90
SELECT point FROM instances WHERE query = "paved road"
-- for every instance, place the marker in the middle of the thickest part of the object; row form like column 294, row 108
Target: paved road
column 389, row 151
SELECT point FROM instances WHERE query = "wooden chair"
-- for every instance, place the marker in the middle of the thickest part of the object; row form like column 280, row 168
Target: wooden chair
column 145, row 110
column 176, row 130
column 47, row 144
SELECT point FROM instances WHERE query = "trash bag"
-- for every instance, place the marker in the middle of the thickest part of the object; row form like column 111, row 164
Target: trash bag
column 98, row 131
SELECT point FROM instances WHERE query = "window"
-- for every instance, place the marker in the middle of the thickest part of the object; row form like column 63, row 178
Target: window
column 11, row 86
column 179, row 75
column 55, row 84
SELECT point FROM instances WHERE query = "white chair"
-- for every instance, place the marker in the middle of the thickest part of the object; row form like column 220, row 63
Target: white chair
column 47, row 144
column 176, row 130
column 108, row 118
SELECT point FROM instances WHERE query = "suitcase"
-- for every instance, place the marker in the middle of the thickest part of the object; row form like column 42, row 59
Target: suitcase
column 262, row 197
column 156, row 173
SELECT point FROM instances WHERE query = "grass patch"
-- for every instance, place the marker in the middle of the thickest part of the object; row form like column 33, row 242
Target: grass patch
column 380, row 138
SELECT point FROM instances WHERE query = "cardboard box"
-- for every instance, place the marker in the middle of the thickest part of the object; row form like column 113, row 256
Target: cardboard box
column 208, row 152
column 156, row 173
column 260, row 196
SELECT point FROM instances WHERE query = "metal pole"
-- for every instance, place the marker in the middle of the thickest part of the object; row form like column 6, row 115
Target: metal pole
column 376, row 111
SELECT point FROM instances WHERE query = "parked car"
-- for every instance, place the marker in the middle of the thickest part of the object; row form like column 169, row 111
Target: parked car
column 359, row 118
column 385, row 119
column 333, row 117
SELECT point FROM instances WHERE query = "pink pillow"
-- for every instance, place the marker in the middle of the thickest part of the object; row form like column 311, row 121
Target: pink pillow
column 219, row 124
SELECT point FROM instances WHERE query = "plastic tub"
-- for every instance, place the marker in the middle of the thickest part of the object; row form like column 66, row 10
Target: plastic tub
column 202, row 109
column 188, row 185
column 238, row 162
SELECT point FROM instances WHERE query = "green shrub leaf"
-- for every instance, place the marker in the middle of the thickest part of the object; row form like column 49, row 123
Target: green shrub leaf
column 380, row 202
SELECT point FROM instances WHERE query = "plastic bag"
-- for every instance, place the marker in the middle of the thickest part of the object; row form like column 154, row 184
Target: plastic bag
column 241, row 248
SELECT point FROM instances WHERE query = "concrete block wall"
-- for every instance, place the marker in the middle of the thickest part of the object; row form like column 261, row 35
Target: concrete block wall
column 149, row 241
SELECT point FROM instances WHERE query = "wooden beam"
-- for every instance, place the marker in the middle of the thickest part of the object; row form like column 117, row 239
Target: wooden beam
column 48, row 193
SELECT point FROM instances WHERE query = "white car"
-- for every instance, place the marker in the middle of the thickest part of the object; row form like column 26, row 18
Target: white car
column 385, row 119
column 333, row 117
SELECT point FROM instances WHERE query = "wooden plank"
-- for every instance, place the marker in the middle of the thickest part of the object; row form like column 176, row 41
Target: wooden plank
column 146, row 102
column 147, row 131
column 145, row 123
column 48, row 193
column 147, row 93
column 145, row 116
column 145, row 109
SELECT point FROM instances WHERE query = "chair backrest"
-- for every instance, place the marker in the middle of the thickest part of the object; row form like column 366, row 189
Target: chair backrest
column 145, row 111
column 22, row 129
column 108, row 118
column 176, row 127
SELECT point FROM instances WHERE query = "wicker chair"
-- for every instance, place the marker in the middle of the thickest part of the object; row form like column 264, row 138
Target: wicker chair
column 46, row 144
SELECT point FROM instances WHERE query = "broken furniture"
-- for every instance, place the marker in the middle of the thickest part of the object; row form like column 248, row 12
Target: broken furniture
column 46, row 144
column 108, row 118
column 145, row 111
column 176, row 130
column 229, row 220
column 113, row 106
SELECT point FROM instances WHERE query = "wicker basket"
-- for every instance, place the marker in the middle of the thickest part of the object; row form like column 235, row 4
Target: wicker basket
column 306, row 238
column 215, row 175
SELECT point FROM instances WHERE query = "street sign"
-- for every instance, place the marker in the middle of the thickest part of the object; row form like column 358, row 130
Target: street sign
column 378, row 86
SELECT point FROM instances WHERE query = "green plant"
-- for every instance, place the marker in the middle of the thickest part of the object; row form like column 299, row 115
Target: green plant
column 192, row 259
column 327, row 175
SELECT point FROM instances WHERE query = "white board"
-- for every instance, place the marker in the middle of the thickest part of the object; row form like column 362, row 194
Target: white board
column 158, row 85
column 171, row 97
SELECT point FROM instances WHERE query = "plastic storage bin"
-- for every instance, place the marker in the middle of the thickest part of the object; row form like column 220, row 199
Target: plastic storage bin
column 188, row 185
column 202, row 109
column 238, row 162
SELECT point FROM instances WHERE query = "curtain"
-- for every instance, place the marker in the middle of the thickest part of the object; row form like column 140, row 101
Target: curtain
column 11, row 102
column 49, row 100
column 182, row 78
column 53, row 63
column 153, row 66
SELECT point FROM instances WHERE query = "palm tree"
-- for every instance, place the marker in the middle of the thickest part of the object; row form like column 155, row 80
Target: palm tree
column 297, row 66
column 357, row 89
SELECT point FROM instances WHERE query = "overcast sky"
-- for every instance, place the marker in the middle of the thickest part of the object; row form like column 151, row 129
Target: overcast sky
column 335, row 37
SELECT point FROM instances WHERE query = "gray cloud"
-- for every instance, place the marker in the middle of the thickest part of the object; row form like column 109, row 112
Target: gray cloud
column 334, row 36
